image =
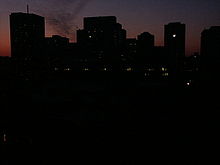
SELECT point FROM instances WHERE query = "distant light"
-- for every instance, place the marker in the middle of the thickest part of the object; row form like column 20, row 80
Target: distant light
column 5, row 138
column 165, row 74
column 129, row 69
column 90, row 36
column 150, row 69
column 146, row 74
column 67, row 69
column 189, row 83
column 174, row 35
column 163, row 69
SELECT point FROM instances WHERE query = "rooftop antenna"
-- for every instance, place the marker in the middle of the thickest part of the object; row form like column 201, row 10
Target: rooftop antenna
column 27, row 9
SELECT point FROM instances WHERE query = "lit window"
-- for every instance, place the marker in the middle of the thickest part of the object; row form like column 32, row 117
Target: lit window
column 163, row 69
column 174, row 35
column 146, row 74
column 165, row 74
column 129, row 69
column 4, row 138
column 67, row 69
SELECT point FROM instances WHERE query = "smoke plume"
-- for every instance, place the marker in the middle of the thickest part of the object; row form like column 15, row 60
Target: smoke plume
column 61, row 15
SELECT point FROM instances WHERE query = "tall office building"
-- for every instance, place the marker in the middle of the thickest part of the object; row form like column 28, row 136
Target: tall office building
column 27, row 35
column 145, row 45
column 210, row 50
column 210, row 43
column 102, row 35
column 174, row 40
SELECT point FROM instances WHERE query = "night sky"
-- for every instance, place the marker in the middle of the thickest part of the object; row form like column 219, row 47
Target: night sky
column 65, row 16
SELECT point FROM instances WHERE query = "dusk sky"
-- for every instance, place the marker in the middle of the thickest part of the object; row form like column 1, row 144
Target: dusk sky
column 65, row 16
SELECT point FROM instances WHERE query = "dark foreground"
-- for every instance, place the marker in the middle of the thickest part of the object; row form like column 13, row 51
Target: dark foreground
column 88, row 120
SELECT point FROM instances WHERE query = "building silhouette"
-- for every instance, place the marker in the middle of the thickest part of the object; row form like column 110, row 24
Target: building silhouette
column 102, row 38
column 210, row 49
column 131, row 48
column 27, row 40
column 145, row 46
column 146, row 40
column 174, row 40
column 27, row 34
column 56, row 50
column 56, row 46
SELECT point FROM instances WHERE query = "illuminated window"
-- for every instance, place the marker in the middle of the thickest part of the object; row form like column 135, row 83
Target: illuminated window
column 146, row 74
column 163, row 69
column 174, row 35
column 67, row 69
column 165, row 74
column 4, row 138
column 129, row 69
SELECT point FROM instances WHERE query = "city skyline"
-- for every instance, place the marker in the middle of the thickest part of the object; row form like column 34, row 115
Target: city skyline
column 153, row 15
column 111, row 76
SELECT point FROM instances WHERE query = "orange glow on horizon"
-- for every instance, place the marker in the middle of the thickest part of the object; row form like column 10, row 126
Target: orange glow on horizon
column 5, row 48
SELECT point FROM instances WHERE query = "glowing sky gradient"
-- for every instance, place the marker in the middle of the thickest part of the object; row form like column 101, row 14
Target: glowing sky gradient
column 136, row 16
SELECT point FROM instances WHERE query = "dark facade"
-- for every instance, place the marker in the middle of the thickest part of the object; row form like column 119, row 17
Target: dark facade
column 101, row 36
column 56, row 45
column 210, row 44
column 27, row 35
column 210, row 53
column 56, row 49
column 145, row 45
column 131, row 48
column 146, row 40
column 174, row 40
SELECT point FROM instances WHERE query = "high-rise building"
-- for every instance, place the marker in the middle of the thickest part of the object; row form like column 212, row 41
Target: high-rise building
column 145, row 45
column 210, row 50
column 210, row 43
column 174, row 40
column 101, row 35
column 27, row 35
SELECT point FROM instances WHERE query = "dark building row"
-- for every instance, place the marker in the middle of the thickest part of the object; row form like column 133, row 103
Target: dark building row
column 102, row 45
